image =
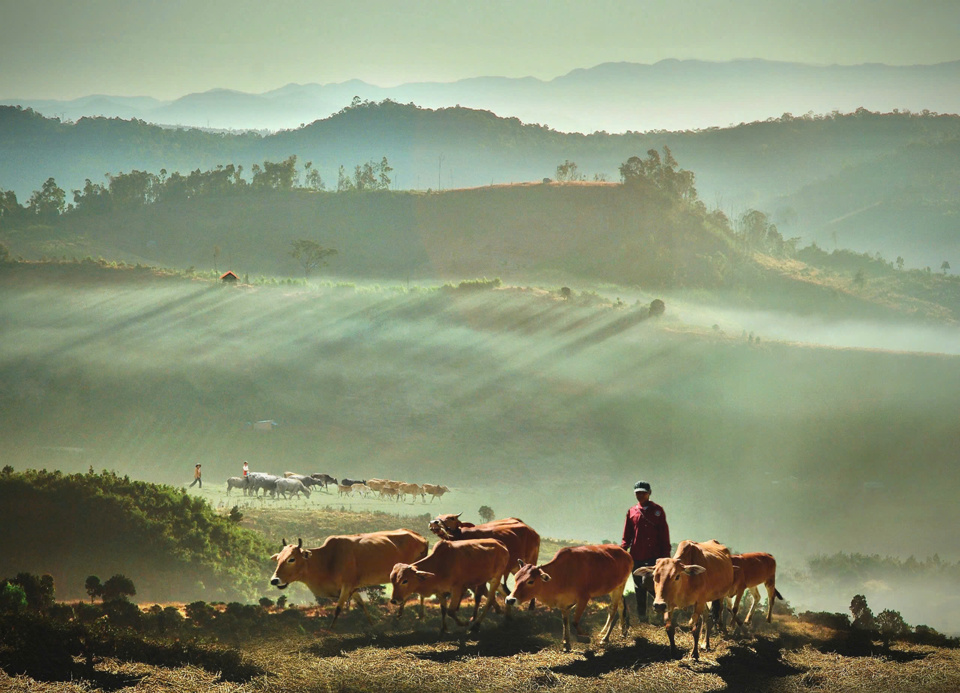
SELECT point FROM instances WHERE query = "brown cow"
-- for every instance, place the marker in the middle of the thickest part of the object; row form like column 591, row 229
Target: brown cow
column 412, row 490
column 521, row 540
column 435, row 491
column 449, row 569
column 698, row 573
column 344, row 564
column 754, row 569
column 572, row 578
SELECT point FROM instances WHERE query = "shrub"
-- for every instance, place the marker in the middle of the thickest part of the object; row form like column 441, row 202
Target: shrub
column 826, row 619
column 12, row 598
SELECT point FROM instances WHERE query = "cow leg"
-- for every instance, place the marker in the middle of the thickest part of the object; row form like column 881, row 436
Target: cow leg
column 343, row 600
column 478, row 592
column 625, row 616
column 363, row 606
column 456, row 596
column 578, row 614
column 491, row 597
column 443, row 612
column 697, row 627
column 565, row 616
column 616, row 599
column 671, row 632
column 756, row 600
column 771, row 586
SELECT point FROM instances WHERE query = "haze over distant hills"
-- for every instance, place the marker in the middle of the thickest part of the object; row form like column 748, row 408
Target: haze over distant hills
column 613, row 97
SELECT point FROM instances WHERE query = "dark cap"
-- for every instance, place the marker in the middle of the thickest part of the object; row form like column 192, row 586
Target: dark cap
column 641, row 486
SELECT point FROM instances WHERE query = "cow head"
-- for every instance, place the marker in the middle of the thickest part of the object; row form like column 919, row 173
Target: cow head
column 406, row 580
column 446, row 526
column 671, row 582
column 291, row 564
column 529, row 580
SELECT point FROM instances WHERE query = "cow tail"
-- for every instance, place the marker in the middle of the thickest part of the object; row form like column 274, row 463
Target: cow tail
column 777, row 595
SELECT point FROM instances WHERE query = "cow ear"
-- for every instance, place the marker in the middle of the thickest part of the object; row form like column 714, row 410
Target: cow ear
column 274, row 557
column 305, row 554
column 424, row 576
column 544, row 576
column 694, row 569
column 520, row 562
column 643, row 571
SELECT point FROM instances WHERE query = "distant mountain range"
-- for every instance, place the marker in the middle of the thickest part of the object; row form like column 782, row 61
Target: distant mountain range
column 612, row 97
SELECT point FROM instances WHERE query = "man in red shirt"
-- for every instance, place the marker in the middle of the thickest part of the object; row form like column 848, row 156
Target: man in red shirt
column 646, row 537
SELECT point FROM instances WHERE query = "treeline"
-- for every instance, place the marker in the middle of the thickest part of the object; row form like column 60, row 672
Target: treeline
column 142, row 188
column 170, row 544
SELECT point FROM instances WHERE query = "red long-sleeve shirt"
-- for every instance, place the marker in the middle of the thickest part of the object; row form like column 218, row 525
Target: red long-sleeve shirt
column 646, row 534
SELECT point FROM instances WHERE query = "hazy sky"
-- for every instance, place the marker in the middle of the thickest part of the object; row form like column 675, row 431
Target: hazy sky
column 168, row 48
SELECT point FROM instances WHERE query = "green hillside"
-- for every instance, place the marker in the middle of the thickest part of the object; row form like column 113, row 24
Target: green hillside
column 173, row 546
column 797, row 169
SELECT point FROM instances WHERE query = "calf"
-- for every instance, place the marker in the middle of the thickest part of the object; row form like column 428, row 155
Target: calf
column 575, row 576
column 751, row 570
column 698, row 573
column 448, row 570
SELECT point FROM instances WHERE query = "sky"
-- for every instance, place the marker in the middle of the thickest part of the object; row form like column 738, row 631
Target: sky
column 63, row 49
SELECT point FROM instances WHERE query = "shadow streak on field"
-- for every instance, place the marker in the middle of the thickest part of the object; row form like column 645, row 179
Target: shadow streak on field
column 856, row 645
column 748, row 666
column 641, row 653
column 493, row 640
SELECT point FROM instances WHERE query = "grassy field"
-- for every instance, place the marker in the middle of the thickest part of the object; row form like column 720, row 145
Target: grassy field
column 524, row 654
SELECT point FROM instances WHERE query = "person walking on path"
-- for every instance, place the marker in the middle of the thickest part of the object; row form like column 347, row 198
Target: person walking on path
column 196, row 477
column 646, row 536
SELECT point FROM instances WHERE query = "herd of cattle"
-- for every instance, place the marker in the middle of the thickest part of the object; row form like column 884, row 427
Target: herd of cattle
column 479, row 558
column 292, row 484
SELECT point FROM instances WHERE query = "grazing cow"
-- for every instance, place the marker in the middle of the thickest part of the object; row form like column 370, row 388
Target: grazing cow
column 574, row 577
column 698, row 573
column 521, row 540
column 344, row 564
column 449, row 569
column 259, row 480
column 435, row 491
column 292, row 486
column 307, row 481
column 324, row 479
column 237, row 482
column 751, row 570
column 412, row 490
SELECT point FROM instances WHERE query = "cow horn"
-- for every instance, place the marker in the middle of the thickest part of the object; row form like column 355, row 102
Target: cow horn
column 299, row 543
column 458, row 514
column 283, row 545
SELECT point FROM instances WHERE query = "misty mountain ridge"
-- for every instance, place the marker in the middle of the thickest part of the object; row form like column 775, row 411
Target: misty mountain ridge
column 613, row 97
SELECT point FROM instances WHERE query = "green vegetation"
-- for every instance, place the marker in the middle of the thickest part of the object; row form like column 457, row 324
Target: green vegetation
column 171, row 545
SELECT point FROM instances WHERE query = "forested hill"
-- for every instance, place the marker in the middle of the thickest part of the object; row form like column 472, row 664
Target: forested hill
column 794, row 169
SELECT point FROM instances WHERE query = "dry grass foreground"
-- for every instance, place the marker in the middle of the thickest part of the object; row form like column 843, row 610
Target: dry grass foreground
column 526, row 655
